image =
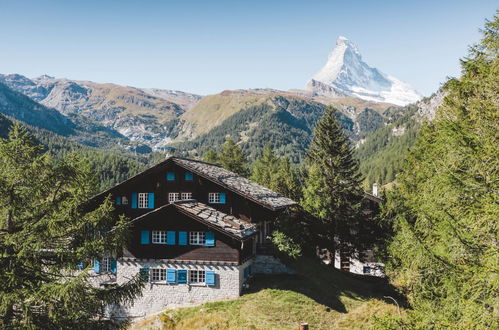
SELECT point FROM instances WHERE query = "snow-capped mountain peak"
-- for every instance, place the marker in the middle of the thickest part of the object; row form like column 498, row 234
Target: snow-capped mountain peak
column 345, row 73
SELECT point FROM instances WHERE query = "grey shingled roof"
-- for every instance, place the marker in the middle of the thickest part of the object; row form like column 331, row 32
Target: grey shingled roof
column 227, row 223
column 236, row 183
column 208, row 215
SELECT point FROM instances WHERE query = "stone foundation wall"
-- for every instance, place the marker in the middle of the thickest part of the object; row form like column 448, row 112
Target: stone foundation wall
column 264, row 264
column 157, row 297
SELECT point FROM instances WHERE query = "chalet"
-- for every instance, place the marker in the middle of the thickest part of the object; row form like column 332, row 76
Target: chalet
column 197, row 234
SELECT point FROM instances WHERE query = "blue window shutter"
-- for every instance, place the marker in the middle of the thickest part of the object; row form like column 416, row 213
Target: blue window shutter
column 170, row 176
column 144, row 237
column 188, row 176
column 144, row 273
column 182, row 238
column 97, row 266
column 118, row 200
column 171, row 276
column 113, row 266
column 246, row 272
column 222, row 198
column 80, row 266
column 209, row 239
column 150, row 200
column 170, row 238
column 182, row 276
column 210, row 278
column 134, row 200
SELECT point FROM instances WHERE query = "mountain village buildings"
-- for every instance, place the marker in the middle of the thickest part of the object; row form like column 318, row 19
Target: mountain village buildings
column 198, row 233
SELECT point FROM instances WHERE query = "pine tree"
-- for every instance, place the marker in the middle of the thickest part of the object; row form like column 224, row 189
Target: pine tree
column 232, row 158
column 211, row 157
column 333, row 191
column 445, row 207
column 45, row 234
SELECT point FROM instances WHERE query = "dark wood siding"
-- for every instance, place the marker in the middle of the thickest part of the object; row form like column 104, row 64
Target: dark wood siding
column 225, row 249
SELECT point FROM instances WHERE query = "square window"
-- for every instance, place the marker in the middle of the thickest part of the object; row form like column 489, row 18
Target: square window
column 188, row 176
column 158, row 275
column 143, row 201
column 170, row 176
column 186, row 195
column 214, row 198
column 124, row 200
column 172, row 197
column 159, row 237
column 197, row 276
column 197, row 238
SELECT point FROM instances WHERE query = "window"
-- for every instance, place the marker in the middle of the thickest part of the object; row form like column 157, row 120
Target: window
column 158, row 275
column 170, row 176
column 214, row 198
column 124, row 200
column 188, row 176
column 197, row 276
column 197, row 238
column 186, row 195
column 143, row 201
column 172, row 197
column 105, row 266
column 366, row 270
column 159, row 237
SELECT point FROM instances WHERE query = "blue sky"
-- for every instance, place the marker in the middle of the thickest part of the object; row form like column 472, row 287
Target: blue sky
column 208, row 46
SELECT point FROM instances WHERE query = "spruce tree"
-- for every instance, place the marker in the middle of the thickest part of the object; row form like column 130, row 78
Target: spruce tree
column 232, row 158
column 332, row 189
column 211, row 157
column 45, row 233
column 445, row 207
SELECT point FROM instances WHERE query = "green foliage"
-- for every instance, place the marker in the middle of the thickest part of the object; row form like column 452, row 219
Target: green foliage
column 277, row 174
column 229, row 157
column 382, row 155
column 446, row 206
column 44, row 234
column 332, row 190
column 286, row 245
column 211, row 157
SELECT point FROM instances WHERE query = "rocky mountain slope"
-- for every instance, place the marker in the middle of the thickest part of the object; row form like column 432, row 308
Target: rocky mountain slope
column 143, row 115
column 346, row 74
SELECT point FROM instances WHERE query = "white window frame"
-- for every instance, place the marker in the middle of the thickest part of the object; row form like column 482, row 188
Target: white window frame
column 143, row 201
column 158, row 275
column 185, row 195
column 214, row 198
column 197, row 238
column 124, row 200
column 173, row 197
column 105, row 265
column 197, row 276
column 158, row 237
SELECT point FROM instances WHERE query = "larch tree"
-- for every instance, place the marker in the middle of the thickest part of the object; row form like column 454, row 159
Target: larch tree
column 445, row 208
column 232, row 158
column 45, row 233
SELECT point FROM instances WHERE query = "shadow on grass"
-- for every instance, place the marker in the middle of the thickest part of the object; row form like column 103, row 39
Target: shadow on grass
column 326, row 285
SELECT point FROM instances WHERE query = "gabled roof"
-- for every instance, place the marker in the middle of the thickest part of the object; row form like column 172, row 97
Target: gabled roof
column 220, row 221
column 373, row 198
column 229, row 180
column 235, row 183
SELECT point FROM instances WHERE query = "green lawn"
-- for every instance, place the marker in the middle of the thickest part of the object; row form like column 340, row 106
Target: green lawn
column 323, row 297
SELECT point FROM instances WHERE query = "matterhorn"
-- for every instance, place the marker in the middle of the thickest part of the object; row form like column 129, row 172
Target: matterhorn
column 345, row 74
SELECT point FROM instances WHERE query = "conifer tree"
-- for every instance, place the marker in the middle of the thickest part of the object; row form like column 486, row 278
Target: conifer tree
column 211, row 157
column 232, row 158
column 445, row 208
column 332, row 189
column 45, row 234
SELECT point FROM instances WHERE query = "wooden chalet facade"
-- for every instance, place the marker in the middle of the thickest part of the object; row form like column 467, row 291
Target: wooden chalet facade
column 196, row 230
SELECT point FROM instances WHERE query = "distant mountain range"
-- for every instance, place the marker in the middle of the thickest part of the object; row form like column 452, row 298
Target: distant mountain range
column 346, row 74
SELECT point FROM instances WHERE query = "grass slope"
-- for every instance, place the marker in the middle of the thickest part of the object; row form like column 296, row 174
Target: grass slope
column 319, row 295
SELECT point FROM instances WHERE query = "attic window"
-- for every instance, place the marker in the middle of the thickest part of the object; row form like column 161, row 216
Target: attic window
column 124, row 200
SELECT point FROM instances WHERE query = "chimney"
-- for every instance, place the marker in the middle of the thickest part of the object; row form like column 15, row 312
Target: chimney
column 375, row 189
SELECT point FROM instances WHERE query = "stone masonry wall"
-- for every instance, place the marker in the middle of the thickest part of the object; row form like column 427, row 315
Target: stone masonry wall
column 264, row 264
column 160, row 296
